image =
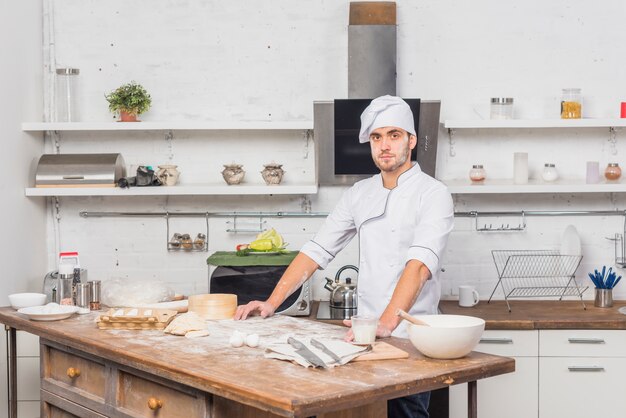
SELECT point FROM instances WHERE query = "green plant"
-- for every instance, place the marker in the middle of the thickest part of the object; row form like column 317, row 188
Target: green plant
column 131, row 98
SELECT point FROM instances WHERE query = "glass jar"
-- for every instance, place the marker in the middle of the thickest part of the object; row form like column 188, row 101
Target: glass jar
column 477, row 174
column 66, row 91
column 612, row 172
column 571, row 104
column 65, row 289
column 501, row 108
column 186, row 242
column 200, row 241
column 549, row 173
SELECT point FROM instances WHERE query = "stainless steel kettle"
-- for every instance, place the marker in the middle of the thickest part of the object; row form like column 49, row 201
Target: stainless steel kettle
column 343, row 296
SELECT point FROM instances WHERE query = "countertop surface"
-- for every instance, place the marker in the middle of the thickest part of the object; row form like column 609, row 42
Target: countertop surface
column 526, row 315
column 244, row 375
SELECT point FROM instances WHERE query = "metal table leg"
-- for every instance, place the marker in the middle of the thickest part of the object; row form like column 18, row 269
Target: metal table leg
column 12, row 370
column 472, row 401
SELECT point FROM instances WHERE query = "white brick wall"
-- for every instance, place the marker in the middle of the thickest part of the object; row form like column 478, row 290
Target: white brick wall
column 239, row 61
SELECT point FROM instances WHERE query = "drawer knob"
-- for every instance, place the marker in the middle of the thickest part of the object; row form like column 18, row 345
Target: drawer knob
column 154, row 403
column 73, row 372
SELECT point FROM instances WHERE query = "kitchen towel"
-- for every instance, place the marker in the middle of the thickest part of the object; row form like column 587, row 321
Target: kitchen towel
column 346, row 351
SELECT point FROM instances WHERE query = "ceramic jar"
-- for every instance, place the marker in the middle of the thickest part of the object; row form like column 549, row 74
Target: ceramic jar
column 233, row 173
column 168, row 174
column 613, row 172
column 272, row 173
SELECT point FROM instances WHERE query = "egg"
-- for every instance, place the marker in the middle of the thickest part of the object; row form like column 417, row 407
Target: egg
column 237, row 339
column 252, row 340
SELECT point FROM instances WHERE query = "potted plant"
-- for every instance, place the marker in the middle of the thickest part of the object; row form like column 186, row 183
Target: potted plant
column 129, row 100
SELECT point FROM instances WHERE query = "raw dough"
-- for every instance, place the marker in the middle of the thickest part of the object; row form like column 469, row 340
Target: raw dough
column 197, row 334
column 184, row 323
column 237, row 339
column 252, row 340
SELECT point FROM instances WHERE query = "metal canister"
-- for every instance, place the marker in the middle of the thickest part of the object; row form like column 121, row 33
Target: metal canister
column 83, row 295
column 94, row 301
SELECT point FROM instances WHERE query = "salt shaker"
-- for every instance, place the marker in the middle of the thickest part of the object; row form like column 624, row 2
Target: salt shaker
column 549, row 173
column 477, row 174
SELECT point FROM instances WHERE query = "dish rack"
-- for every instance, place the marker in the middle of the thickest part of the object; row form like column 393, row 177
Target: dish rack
column 536, row 273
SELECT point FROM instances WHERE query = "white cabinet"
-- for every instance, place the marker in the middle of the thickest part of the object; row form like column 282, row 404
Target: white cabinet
column 558, row 373
column 582, row 373
column 513, row 395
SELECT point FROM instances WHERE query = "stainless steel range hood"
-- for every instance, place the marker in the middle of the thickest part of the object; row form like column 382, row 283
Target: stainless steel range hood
column 371, row 73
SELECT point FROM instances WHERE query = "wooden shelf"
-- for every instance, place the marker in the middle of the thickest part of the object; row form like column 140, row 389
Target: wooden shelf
column 506, row 186
column 182, row 190
column 164, row 126
column 534, row 123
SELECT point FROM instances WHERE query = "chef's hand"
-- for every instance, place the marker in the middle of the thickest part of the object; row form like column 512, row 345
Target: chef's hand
column 256, row 307
column 383, row 330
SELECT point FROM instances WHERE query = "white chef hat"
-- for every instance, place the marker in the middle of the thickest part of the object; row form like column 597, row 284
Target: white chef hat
column 386, row 111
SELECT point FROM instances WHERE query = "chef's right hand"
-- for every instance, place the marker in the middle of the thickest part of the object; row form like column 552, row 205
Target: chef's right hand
column 256, row 307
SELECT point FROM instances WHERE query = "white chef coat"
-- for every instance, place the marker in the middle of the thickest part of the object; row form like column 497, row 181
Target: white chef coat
column 411, row 221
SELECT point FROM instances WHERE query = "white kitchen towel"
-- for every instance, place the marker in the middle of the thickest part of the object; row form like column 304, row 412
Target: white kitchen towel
column 285, row 351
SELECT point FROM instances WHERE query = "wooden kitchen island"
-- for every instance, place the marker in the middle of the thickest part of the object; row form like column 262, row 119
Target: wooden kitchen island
column 88, row 372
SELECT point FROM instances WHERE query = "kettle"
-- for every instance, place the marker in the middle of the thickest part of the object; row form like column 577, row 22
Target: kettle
column 343, row 296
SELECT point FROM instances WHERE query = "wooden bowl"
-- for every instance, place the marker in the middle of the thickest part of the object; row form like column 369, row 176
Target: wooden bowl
column 213, row 305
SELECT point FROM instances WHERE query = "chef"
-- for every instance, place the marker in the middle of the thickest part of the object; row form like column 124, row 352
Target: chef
column 401, row 217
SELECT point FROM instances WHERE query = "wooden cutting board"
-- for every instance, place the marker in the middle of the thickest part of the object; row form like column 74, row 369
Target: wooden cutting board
column 383, row 351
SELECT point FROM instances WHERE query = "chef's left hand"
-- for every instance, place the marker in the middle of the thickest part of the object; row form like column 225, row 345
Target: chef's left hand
column 383, row 330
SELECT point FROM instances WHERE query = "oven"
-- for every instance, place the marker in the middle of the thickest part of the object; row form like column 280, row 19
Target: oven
column 257, row 283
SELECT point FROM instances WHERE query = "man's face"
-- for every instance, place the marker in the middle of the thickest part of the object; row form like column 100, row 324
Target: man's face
column 391, row 147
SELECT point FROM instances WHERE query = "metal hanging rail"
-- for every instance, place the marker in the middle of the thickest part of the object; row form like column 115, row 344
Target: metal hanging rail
column 86, row 214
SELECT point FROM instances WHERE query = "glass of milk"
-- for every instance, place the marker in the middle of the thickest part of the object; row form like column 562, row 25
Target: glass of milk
column 364, row 329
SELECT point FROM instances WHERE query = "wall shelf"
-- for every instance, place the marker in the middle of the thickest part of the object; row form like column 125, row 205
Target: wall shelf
column 506, row 186
column 182, row 190
column 164, row 126
column 534, row 123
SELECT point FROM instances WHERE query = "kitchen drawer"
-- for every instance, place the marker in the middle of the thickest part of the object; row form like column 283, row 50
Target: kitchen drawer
column 68, row 372
column 582, row 343
column 53, row 406
column 509, row 343
column 139, row 397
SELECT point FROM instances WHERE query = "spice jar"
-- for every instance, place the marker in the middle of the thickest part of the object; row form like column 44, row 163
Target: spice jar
column 200, row 241
column 477, row 174
column 501, row 108
column 185, row 242
column 549, row 173
column 176, row 242
column 613, row 172
column 571, row 104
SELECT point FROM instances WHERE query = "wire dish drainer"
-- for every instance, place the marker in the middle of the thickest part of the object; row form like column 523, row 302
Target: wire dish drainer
column 536, row 273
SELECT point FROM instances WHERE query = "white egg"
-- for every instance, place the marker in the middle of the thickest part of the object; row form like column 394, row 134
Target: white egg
column 252, row 340
column 236, row 340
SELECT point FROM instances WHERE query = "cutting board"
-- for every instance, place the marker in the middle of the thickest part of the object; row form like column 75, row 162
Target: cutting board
column 383, row 351
column 135, row 318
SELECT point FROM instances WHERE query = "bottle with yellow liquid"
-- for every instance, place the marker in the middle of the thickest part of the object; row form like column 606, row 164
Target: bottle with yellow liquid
column 571, row 104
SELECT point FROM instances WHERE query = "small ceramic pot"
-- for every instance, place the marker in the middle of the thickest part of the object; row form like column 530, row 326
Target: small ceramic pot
column 168, row 174
column 128, row 117
column 233, row 173
column 272, row 174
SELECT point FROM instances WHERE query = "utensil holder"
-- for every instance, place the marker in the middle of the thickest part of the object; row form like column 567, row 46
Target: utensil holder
column 604, row 298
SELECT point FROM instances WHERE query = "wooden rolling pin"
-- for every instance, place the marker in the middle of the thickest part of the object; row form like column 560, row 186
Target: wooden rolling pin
column 410, row 318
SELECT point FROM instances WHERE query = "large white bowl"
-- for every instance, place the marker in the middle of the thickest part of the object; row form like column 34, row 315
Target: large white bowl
column 26, row 300
column 448, row 336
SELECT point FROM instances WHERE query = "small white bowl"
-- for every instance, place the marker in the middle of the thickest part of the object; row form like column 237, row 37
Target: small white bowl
column 26, row 300
column 448, row 336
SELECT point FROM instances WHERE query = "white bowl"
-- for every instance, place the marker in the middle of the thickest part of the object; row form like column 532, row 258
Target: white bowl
column 25, row 300
column 448, row 336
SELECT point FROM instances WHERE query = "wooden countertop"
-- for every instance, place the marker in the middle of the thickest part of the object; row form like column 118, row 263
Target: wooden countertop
column 526, row 314
column 244, row 375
